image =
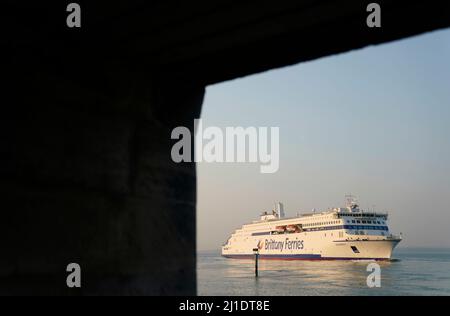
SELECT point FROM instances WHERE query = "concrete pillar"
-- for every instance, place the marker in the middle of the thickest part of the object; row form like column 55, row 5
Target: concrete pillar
column 86, row 177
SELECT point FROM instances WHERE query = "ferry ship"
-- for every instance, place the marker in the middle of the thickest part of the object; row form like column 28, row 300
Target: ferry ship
column 345, row 233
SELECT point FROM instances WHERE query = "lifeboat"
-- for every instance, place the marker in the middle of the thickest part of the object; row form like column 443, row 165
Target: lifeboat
column 293, row 228
column 280, row 229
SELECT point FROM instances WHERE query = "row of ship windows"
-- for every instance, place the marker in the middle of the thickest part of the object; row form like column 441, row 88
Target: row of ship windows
column 348, row 221
column 323, row 223
column 359, row 227
column 358, row 215
column 367, row 222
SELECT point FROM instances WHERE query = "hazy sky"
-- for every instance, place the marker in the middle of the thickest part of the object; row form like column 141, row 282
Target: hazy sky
column 373, row 122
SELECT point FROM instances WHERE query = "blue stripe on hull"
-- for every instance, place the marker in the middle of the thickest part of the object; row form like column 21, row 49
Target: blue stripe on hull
column 298, row 257
column 279, row 257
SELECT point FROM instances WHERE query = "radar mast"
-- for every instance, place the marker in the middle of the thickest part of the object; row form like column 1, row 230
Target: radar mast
column 351, row 202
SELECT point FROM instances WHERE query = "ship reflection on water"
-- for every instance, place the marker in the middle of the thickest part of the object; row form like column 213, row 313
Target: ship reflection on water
column 401, row 276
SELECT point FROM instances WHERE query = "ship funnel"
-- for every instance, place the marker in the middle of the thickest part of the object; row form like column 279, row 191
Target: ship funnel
column 279, row 209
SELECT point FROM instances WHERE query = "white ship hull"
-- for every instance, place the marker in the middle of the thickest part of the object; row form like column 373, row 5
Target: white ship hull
column 319, row 250
column 339, row 234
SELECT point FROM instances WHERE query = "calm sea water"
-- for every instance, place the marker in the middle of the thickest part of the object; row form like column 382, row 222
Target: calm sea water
column 414, row 271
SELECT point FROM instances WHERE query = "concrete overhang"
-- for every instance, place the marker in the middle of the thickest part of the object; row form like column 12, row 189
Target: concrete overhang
column 213, row 41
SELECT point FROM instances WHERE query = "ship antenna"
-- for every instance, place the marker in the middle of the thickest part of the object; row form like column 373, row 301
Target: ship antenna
column 351, row 201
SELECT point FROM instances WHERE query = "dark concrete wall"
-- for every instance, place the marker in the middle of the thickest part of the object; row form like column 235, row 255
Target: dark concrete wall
column 86, row 177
